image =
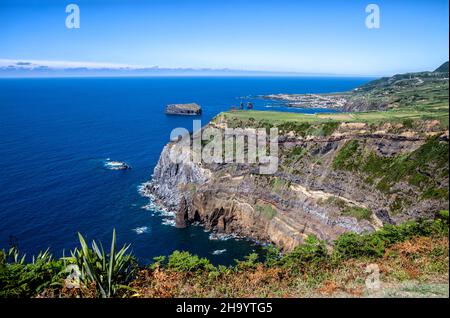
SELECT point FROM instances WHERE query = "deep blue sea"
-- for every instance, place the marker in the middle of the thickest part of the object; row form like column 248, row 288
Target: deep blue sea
column 56, row 133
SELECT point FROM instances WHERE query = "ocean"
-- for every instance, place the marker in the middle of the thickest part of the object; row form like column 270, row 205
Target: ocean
column 57, row 133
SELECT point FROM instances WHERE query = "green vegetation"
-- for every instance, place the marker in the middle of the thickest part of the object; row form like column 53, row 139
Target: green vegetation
column 403, row 98
column 426, row 91
column 266, row 210
column 297, row 152
column 341, row 204
column 343, row 159
column 406, row 99
column 358, row 212
column 239, row 119
column 280, row 185
column 185, row 262
column 18, row 279
column 351, row 245
column 347, row 209
column 417, row 168
column 98, row 273
column 443, row 68
column 310, row 264
column 301, row 123
column 107, row 271
column 313, row 252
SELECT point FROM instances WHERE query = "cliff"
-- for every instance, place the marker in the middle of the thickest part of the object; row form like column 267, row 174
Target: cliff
column 332, row 178
column 183, row 109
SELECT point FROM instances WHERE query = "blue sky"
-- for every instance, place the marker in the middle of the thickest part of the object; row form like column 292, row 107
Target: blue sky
column 318, row 36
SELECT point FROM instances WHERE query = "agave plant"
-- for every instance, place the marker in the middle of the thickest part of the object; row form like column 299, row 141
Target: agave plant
column 109, row 272
column 14, row 256
column 44, row 257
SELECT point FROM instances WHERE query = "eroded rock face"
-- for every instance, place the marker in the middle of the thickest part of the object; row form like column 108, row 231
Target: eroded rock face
column 169, row 177
column 308, row 194
column 183, row 109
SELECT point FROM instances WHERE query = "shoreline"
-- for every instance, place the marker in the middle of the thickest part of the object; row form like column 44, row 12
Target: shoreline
column 214, row 234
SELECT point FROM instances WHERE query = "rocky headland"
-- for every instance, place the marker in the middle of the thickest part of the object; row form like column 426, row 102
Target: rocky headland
column 337, row 173
column 190, row 109
column 357, row 178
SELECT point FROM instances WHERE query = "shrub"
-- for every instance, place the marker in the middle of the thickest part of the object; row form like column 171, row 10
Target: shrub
column 344, row 159
column 159, row 261
column 358, row 212
column 250, row 262
column 329, row 128
column 312, row 252
column 352, row 245
column 408, row 123
column 186, row 262
column 18, row 279
column 435, row 193
column 298, row 128
column 272, row 255
column 443, row 215
column 416, row 167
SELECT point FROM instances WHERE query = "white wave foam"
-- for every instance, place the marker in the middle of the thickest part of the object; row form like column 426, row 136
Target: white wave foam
column 116, row 165
column 222, row 237
column 142, row 189
column 218, row 252
column 169, row 222
column 154, row 208
column 141, row 230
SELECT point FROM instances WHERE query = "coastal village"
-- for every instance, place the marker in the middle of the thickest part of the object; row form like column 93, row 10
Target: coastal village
column 310, row 100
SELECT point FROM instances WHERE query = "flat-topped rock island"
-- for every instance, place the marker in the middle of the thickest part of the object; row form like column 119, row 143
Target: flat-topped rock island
column 190, row 109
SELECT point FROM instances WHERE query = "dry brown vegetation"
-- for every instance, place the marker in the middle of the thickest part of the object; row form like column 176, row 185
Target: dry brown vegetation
column 420, row 260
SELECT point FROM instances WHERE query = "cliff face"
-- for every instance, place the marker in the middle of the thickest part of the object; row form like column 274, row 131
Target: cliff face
column 169, row 178
column 183, row 109
column 356, row 178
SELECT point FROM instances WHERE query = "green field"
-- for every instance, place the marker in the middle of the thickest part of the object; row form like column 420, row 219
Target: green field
column 439, row 113
column 400, row 98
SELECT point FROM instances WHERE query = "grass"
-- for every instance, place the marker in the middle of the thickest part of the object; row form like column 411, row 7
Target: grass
column 343, row 159
column 440, row 112
column 358, row 212
column 266, row 210
column 280, row 185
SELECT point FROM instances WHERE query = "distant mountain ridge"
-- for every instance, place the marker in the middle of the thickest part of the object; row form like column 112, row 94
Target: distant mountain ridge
column 34, row 68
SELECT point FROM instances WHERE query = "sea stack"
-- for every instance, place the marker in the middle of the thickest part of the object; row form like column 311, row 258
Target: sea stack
column 190, row 109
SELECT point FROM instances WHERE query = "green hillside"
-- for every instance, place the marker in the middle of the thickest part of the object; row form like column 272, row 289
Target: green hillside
column 443, row 68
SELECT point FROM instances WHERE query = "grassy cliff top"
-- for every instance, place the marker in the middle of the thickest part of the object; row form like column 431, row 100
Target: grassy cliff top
column 440, row 114
column 415, row 96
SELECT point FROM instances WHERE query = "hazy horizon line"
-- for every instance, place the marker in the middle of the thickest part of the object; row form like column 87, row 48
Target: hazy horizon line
column 47, row 68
